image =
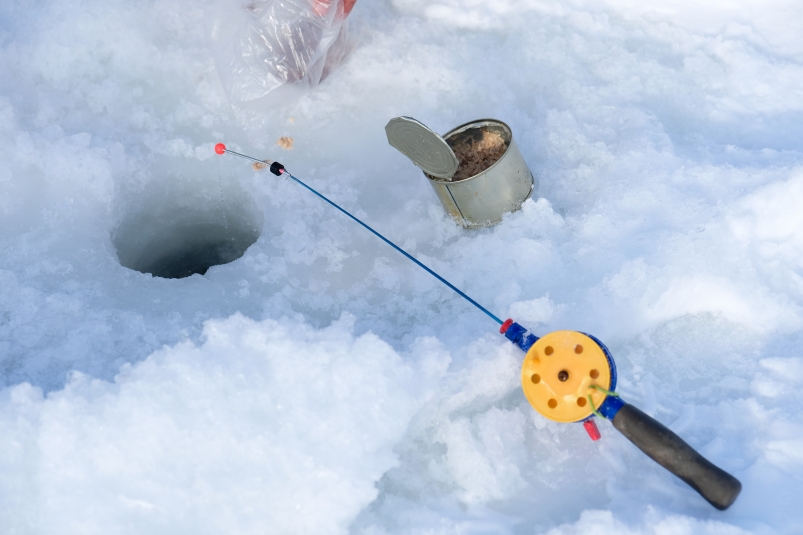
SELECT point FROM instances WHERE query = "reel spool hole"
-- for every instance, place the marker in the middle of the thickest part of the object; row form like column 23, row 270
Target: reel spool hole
column 558, row 372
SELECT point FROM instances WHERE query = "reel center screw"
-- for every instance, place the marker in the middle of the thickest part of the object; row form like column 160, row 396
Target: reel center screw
column 563, row 375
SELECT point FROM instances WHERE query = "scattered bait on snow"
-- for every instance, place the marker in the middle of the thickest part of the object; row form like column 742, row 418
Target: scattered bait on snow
column 285, row 142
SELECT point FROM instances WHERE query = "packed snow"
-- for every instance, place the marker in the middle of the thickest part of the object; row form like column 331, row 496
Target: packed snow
column 322, row 383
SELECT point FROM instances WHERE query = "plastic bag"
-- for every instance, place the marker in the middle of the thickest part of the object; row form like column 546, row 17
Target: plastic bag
column 272, row 50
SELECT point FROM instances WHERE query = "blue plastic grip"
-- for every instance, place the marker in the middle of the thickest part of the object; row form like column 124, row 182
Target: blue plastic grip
column 518, row 335
column 611, row 406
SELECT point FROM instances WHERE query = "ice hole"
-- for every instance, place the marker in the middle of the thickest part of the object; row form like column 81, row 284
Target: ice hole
column 178, row 226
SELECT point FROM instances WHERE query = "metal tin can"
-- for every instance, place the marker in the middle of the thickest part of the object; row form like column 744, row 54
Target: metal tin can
column 483, row 199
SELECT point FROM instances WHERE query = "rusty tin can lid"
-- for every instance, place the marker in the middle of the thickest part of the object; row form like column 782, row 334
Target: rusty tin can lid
column 424, row 147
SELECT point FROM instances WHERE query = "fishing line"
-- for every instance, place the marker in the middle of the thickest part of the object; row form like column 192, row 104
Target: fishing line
column 222, row 205
column 278, row 169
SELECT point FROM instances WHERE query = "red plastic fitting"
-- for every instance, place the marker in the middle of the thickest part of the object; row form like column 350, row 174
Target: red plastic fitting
column 503, row 329
column 591, row 428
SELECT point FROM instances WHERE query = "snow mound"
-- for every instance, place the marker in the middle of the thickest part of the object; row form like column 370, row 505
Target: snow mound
column 263, row 424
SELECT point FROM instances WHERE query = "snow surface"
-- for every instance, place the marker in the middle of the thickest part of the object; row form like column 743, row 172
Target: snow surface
column 324, row 384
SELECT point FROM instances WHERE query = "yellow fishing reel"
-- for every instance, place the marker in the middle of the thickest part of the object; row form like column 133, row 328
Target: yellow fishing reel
column 566, row 376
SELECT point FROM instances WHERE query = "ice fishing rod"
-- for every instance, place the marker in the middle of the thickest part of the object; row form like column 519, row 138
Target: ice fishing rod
column 569, row 376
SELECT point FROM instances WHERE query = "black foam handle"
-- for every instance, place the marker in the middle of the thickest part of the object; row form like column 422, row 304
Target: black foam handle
column 670, row 451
